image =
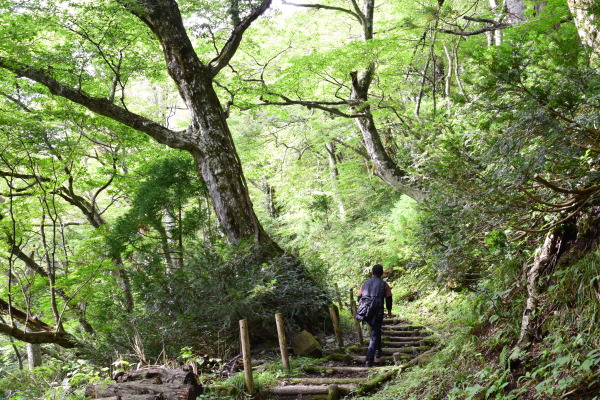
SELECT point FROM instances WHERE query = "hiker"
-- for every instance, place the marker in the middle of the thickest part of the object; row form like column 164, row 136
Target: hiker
column 376, row 287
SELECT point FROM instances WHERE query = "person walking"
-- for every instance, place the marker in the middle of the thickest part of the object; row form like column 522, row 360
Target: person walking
column 378, row 288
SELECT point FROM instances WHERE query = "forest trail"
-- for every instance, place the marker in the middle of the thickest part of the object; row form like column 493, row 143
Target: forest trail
column 344, row 374
column 339, row 373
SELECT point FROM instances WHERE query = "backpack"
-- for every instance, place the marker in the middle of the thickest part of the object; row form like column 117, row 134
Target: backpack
column 368, row 305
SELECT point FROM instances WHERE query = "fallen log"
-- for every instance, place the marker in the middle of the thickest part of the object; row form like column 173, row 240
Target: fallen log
column 177, row 376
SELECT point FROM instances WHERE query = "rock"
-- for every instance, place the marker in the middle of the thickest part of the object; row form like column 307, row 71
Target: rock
column 305, row 344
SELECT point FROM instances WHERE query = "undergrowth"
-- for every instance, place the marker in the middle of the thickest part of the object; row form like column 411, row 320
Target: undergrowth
column 482, row 328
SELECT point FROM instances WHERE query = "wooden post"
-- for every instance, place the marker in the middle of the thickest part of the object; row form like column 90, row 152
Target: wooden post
column 245, row 340
column 338, row 296
column 357, row 326
column 333, row 312
column 282, row 341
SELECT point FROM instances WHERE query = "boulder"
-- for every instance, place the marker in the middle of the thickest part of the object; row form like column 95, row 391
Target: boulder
column 305, row 344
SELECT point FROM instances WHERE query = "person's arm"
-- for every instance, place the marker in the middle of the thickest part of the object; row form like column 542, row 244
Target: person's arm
column 388, row 300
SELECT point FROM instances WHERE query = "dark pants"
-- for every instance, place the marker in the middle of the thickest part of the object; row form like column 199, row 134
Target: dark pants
column 375, row 343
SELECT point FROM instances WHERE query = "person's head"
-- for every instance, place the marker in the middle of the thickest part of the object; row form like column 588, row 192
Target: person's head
column 378, row 270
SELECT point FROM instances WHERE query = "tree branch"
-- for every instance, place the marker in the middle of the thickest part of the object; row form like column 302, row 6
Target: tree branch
column 23, row 176
column 324, row 7
column 357, row 150
column 61, row 338
column 321, row 105
column 30, row 322
column 227, row 52
column 472, row 33
column 98, row 105
column 584, row 191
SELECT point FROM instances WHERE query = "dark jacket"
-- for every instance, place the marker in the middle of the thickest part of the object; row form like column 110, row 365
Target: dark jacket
column 377, row 287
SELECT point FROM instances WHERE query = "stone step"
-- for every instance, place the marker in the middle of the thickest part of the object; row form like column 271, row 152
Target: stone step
column 401, row 350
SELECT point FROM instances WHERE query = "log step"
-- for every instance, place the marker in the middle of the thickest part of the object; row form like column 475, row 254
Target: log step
column 326, row 381
column 330, row 370
column 404, row 350
column 383, row 359
column 288, row 390
column 400, row 339
column 395, row 332
column 405, row 327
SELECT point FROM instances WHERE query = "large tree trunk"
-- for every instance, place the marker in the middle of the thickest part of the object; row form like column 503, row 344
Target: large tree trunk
column 514, row 11
column 207, row 138
column 588, row 25
column 385, row 167
column 212, row 144
column 34, row 356
column 333, row 170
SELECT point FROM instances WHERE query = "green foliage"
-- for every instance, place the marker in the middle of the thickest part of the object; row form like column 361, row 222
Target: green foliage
column 475, row 360
column 167, row 187
column 60, row 380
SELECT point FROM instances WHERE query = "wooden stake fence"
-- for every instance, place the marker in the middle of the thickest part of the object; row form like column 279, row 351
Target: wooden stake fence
column 357, row 326
column 282, row 341
column 333, row 312
column 245, row 340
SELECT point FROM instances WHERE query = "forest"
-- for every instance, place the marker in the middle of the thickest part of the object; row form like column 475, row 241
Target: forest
column 171, row 167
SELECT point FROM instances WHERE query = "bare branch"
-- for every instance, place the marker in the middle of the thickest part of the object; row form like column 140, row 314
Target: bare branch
column 227, row 52
column 486, row 20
